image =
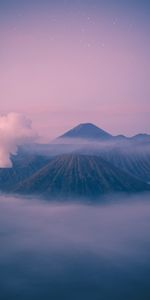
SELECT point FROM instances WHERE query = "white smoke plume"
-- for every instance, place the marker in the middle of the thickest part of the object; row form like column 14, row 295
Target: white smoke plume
column 15, row 130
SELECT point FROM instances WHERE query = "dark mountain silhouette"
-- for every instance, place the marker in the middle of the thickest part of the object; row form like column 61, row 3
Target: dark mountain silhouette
column 79, row 176
column 87, row 131
column 137, row 163
column 141, row 138
column 132, row 158
column 85, row 136
column 102, row 163
column 24, row 165
column 90, row 131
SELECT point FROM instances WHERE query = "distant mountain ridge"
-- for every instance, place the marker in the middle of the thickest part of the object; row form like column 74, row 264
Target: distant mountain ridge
column 87, row 131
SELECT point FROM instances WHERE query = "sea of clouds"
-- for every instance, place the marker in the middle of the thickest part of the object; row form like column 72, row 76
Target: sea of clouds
column 75, row 251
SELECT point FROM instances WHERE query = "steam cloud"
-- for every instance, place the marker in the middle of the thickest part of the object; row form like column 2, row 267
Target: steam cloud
column 15, row 130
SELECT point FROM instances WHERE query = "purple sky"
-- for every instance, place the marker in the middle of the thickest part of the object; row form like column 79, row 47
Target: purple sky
column 63, row 65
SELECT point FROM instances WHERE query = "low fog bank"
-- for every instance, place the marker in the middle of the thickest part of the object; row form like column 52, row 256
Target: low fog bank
column 69, row 145
column 75, row 251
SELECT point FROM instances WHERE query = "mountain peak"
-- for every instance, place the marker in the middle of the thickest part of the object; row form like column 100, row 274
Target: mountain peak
column 87, row 131
column 87, row 125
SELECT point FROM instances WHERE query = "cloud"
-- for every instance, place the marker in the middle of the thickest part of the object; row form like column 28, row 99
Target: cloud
column 75, row 251
column 15, row 130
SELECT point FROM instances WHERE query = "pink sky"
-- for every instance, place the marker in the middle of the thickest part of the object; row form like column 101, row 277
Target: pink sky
column 64, row 71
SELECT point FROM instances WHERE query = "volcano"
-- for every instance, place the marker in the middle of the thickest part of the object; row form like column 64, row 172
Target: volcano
column 86, row 131
column 76, row 175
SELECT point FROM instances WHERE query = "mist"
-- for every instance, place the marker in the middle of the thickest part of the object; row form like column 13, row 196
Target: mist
column 75, row 251
column 15, row 130
column 83, row 146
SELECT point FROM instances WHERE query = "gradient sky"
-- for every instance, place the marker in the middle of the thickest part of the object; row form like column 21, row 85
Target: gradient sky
column 67, row 62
